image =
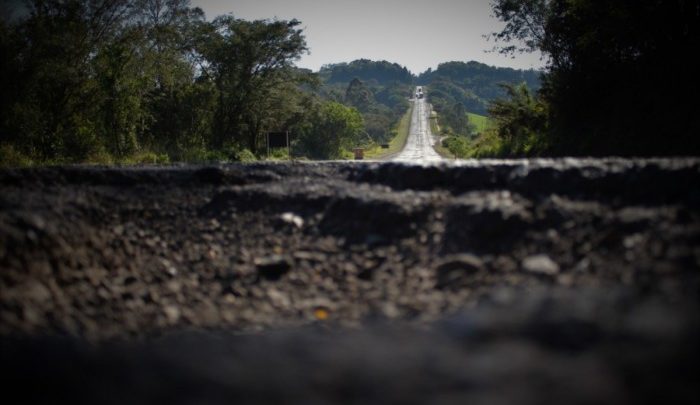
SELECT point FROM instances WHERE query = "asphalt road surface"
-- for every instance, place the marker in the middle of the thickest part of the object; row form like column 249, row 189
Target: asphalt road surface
column 484, row 282
column 419, row 145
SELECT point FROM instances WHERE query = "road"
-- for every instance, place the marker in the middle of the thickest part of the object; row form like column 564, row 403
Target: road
column 479, row 282
column 419, row 145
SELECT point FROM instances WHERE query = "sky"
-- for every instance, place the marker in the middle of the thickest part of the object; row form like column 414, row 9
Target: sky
column 418, row 34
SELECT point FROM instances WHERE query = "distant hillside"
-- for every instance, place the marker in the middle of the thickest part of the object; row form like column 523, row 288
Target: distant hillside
column 373, row 72
column 380, row 89
column 472, row 83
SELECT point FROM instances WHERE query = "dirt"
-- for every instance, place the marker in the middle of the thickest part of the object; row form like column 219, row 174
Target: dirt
column 541, row 281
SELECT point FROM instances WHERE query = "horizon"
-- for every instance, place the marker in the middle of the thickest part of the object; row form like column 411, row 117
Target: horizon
column 416, row 74
column 337, row 32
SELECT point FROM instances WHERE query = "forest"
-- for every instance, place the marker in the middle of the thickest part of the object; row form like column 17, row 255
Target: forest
column 154, row 81
column 379, row 90
column 618, row 81
column 472, row 84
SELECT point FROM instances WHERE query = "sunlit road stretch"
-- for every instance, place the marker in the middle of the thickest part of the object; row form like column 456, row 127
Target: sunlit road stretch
column 419, row 145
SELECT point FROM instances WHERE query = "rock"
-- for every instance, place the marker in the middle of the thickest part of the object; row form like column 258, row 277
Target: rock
column 292, row 219
column 310, row 256
column 278, row 298
column 37, row 292
column 172, row 313
column 464, row 262
column 455, row 267
column 540, row 264
column 169, row 268
column 118, row 230
column 273, row 267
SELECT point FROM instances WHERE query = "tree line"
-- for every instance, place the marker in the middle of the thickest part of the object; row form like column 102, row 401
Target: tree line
column 151, row 80
column 472, row 84
column 379, row 90
column 620, row 79
column 456, row 88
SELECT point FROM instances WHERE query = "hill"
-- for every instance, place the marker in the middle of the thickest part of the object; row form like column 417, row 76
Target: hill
column 378, row 72
column 474, row 84
column 378, row 89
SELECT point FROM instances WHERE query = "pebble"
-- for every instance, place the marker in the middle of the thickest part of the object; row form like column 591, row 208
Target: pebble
column 465, row 262
column 540, row 264
column 310, row 256
column 455, row 267
column 292, row 219
column 253, row 267
column 172, row 313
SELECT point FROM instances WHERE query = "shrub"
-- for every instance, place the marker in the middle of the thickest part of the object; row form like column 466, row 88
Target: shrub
column 11, row 157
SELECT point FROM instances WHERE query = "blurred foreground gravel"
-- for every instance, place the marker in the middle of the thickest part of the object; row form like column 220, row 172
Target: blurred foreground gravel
column 541, row 281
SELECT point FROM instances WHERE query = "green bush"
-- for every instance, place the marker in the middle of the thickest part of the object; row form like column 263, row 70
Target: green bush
column 459, row 146
column 488, row 144
column 247, row 156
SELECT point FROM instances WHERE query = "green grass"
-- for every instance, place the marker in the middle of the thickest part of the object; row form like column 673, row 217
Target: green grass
column 480, row 122
column 435, row 130
column 397, row 143
column 460, row 147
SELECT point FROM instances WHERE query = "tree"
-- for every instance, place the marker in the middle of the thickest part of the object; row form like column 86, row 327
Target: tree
column 521, row 120
column 176, row 108
column 150, row 80
column 525, row 24
column 54, row 97
column 379, row 72
column 247, row 61
column 456, row 117
column 331, row 129
column 359, row 96
column 473, row 84
column 601, row 58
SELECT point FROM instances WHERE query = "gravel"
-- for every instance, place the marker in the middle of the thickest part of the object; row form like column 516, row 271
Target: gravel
column 528, row 281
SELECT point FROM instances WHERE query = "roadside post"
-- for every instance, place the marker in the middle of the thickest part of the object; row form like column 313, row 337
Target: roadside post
column 359, row 153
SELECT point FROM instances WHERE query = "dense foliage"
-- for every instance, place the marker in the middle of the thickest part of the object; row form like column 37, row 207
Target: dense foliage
column 335, row 128
column 379, row 90
column 366, row 70
column 152, row 81
column 458, row 88
column 618, row 76
column 472, row 84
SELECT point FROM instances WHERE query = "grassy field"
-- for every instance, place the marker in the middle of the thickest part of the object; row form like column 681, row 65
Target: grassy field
column 396, row 144
column 480, row 122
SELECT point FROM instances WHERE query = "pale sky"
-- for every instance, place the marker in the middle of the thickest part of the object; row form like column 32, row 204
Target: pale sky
column 417, row 34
